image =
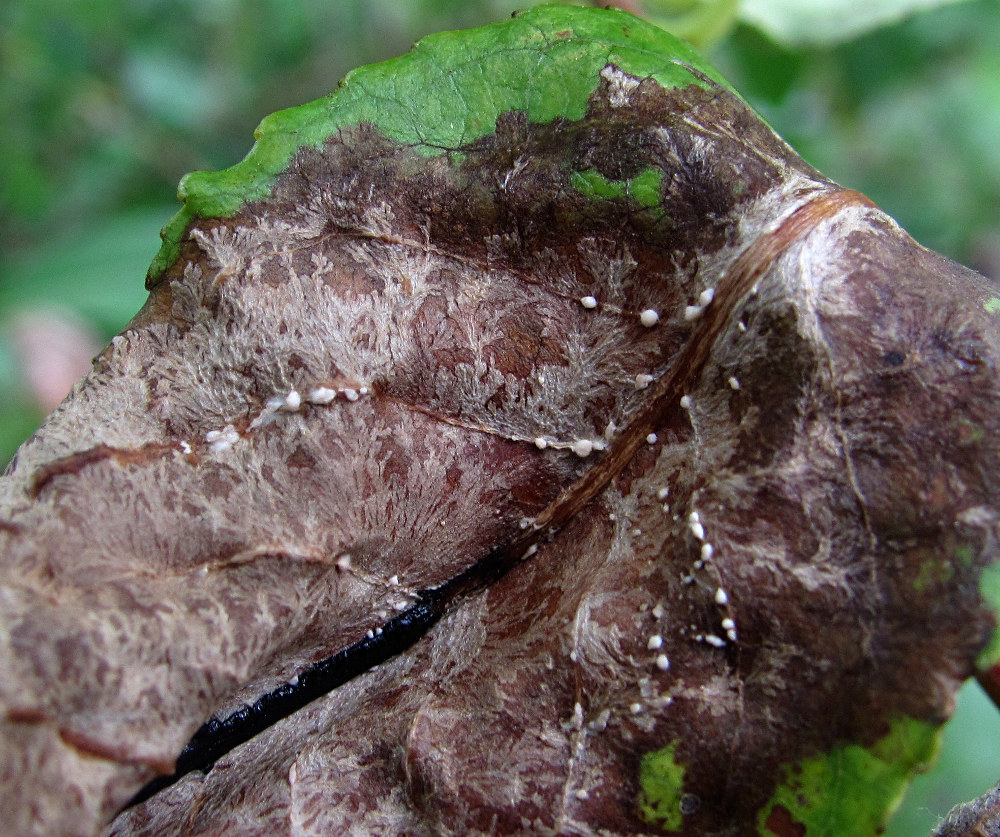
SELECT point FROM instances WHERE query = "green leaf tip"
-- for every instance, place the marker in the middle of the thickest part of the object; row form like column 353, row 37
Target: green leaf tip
column 852, row 789
column 448, row 91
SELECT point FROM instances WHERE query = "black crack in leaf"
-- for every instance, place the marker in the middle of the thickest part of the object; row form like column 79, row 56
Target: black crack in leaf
column 689, row 518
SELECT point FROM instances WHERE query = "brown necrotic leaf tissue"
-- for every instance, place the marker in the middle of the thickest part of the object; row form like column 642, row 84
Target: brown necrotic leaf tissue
column 621, row 473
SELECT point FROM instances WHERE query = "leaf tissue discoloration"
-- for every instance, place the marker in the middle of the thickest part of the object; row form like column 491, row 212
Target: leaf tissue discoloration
column 692, row 477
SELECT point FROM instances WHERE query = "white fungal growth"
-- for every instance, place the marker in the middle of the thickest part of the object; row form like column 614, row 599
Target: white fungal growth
column 728, row 624
column 583, row 448
column 642, row 381
column 577, row 720
column 742, row 326
column 662, row 662
column 686, row 402
column 651, row 439
column 531, row 550
column 343, row 563
column 292, row 401
column 321, row 395
column 658, row 611
column 662, row 494
column 692, row 312
column 222, row 440
column 655, row 642
column 540, row 443
column 588, row 301
column 706, row 551
column 400, row 606
column 581, row 793
column 649, row 318
column 714, row 641
column 185, row 447
column 697, row 529
column 705, row 297
column 721, row 597
column 635, row 708
column 351, row 394
column 370, row 634
column 394, row 581
column 734, row 382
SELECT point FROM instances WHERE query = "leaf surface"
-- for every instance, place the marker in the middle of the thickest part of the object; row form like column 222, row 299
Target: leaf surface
column 668, row 463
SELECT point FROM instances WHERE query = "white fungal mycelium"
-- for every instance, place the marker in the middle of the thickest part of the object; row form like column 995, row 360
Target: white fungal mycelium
column 321, row 395
column 540, row 443
column 635, row 708
column 655, row 642
column 651, row 439
column 186, row 447
column 351, row 394
column 343, row 563
column 588, row 301
column 531, row 550
column 721, row 597
column 686, row 402
column 662, row 494
column 705, row 297
column 696, row 527
column 706, row 551
column 292, row 401
column 583, row 448
column 692, row 312
column 734, row 382
column 222, row 440
column 714, row 641
column 581, row 793
column 649, row 317
column 658, row 611
column 662, row 662
column 642, row 380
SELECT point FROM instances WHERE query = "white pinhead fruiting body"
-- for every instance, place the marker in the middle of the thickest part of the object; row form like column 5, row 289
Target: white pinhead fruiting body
column 649, row 318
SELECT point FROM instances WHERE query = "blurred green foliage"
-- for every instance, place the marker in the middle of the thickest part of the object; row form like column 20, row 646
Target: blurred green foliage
column 105, row 104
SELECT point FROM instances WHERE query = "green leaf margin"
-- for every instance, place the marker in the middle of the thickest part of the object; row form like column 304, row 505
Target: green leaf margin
column 447, row 92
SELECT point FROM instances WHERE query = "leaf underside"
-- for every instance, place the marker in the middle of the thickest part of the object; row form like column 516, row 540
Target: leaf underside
column 718, row 436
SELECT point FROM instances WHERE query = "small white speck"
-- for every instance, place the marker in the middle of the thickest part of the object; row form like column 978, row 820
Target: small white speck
column 343, row 563
column 697, row 530
column 581, row 793
column 695, row 517
column 635, row 708
column 370, row 634
column 649, row 318
column 351, row 394
column 118, row 341
column 610, row 430
column 531, row 550
column 692, row 312
column 321, row 395
column 573, row 656
column 655, row 642
column 662, row 494
column 642, row 380
column 294, row 681
column 222, row 440
column 662, row 662
column 731, row 633
column 378, row 631
column 588, row 301
column 706, row 551
column 583, row 447
column 742, row 326
column 658, row 611
column 540, row 443
column 363, row 391
column 714, row 641
column 185, row 447
column 292, row 401
column 400, row 606
column 394, row 581
column 721, row 597
column 202, row 570
column 577, row 715
column 651, row 439
column 699, row 564
column 734, row 382
column 706, row 297
column 662, row 701
column 686, row 402
column 728, row 624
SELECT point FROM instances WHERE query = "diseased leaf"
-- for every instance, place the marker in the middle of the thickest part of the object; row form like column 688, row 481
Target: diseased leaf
column 621, row 473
